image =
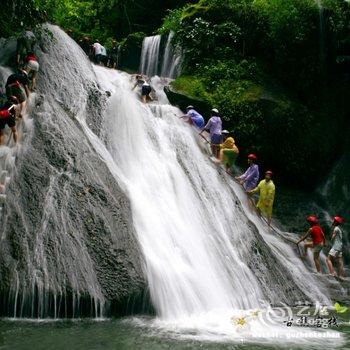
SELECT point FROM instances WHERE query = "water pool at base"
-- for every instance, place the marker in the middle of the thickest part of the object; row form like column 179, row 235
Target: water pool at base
column 115, row 334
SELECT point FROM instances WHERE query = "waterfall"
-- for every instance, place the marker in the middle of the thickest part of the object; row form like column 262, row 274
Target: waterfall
column 150, row 55
column 166, row 64
column 171, row 59
column 207, row 255
column 105, row 185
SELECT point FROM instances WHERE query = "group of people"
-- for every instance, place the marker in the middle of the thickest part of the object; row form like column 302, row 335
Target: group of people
column 98, row 52
column 19, row 85
column 318, row 243
column 225, row 151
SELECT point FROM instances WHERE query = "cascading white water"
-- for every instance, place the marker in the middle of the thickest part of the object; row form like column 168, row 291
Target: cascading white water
column 194, row 234
column 171, row 59
column 150, row 55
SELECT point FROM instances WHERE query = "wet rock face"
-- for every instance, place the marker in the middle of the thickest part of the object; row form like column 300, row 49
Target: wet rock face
column 67, row 226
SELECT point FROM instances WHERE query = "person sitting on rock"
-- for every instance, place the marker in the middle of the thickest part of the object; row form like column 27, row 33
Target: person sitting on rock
column 8, row 117
column 194, row 118
column 145, row 88
column 318, row 240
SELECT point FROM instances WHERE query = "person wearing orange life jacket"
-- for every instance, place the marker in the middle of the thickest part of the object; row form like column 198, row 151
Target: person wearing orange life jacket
column 336, row 252
column 318, row 241
column 8, row 117
column 33, row 67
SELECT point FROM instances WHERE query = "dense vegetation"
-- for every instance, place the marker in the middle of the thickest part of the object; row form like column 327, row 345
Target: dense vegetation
column 277, row 69
column 271, row 67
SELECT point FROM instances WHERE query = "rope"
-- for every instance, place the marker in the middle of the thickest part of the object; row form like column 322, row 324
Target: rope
column 254, row 206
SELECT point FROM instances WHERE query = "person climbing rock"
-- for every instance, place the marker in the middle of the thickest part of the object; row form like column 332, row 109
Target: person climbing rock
column 266, row 190
column 33, row 67
column 250, row 178
column 25, row 44
column 214, row 126
column 85, row 44
column 113, row 56
column 8, row 117
column 336, row 252
column 17, row 85
column 228, row 151
column 146, row 89
column 194, row 118
column 318, row 240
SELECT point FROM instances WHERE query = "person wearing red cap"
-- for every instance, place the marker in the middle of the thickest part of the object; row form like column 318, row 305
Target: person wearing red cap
column 8, row 117
column 318, row 240
column 250, row 178
column 266, row 189
column 336, row 252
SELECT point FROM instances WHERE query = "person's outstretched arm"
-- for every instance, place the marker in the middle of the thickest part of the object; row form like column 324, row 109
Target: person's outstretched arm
column 307, row 234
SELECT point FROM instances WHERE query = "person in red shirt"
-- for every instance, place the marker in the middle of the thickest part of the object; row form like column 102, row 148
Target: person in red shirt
column 318, row 240
column 8, row 117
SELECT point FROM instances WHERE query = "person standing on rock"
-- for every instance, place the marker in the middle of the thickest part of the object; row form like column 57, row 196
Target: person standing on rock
column 17, row 84
column 25, row 44
column 266, row 190
column 250, row 178
column 113, row 55
column 33, row 67
column 97, row 50
column 8, row 117
column 214, row 126
column 194, row 118
column 336, row 252
column 228, row 151
column 318, row 241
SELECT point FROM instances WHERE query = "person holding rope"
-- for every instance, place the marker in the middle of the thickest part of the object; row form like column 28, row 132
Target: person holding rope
column 194, row 118
column 8, row 117
column 250, row 178
column 318, row 240
column 228, row 152
column 266, row 189
column 214, row 126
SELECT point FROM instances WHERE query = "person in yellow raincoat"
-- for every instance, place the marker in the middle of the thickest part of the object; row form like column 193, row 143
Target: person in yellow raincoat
column 228, row 151
column 266, row 189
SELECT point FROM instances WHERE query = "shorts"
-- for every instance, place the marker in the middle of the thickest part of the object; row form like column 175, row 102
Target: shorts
column 10, row 121
column 230, row 156
column 335, row 253
column 113, row 58
column 198, row 122
column 17, row 91
column 33, row 65
column 317, row 248
column 146, row 90
column 216, row 139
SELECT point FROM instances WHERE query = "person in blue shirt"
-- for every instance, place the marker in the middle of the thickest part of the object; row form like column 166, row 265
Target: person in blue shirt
column 194, row 118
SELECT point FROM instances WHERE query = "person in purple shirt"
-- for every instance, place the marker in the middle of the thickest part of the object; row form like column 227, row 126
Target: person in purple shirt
column 194, row 118
column 214, row 126
column 250, row 178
